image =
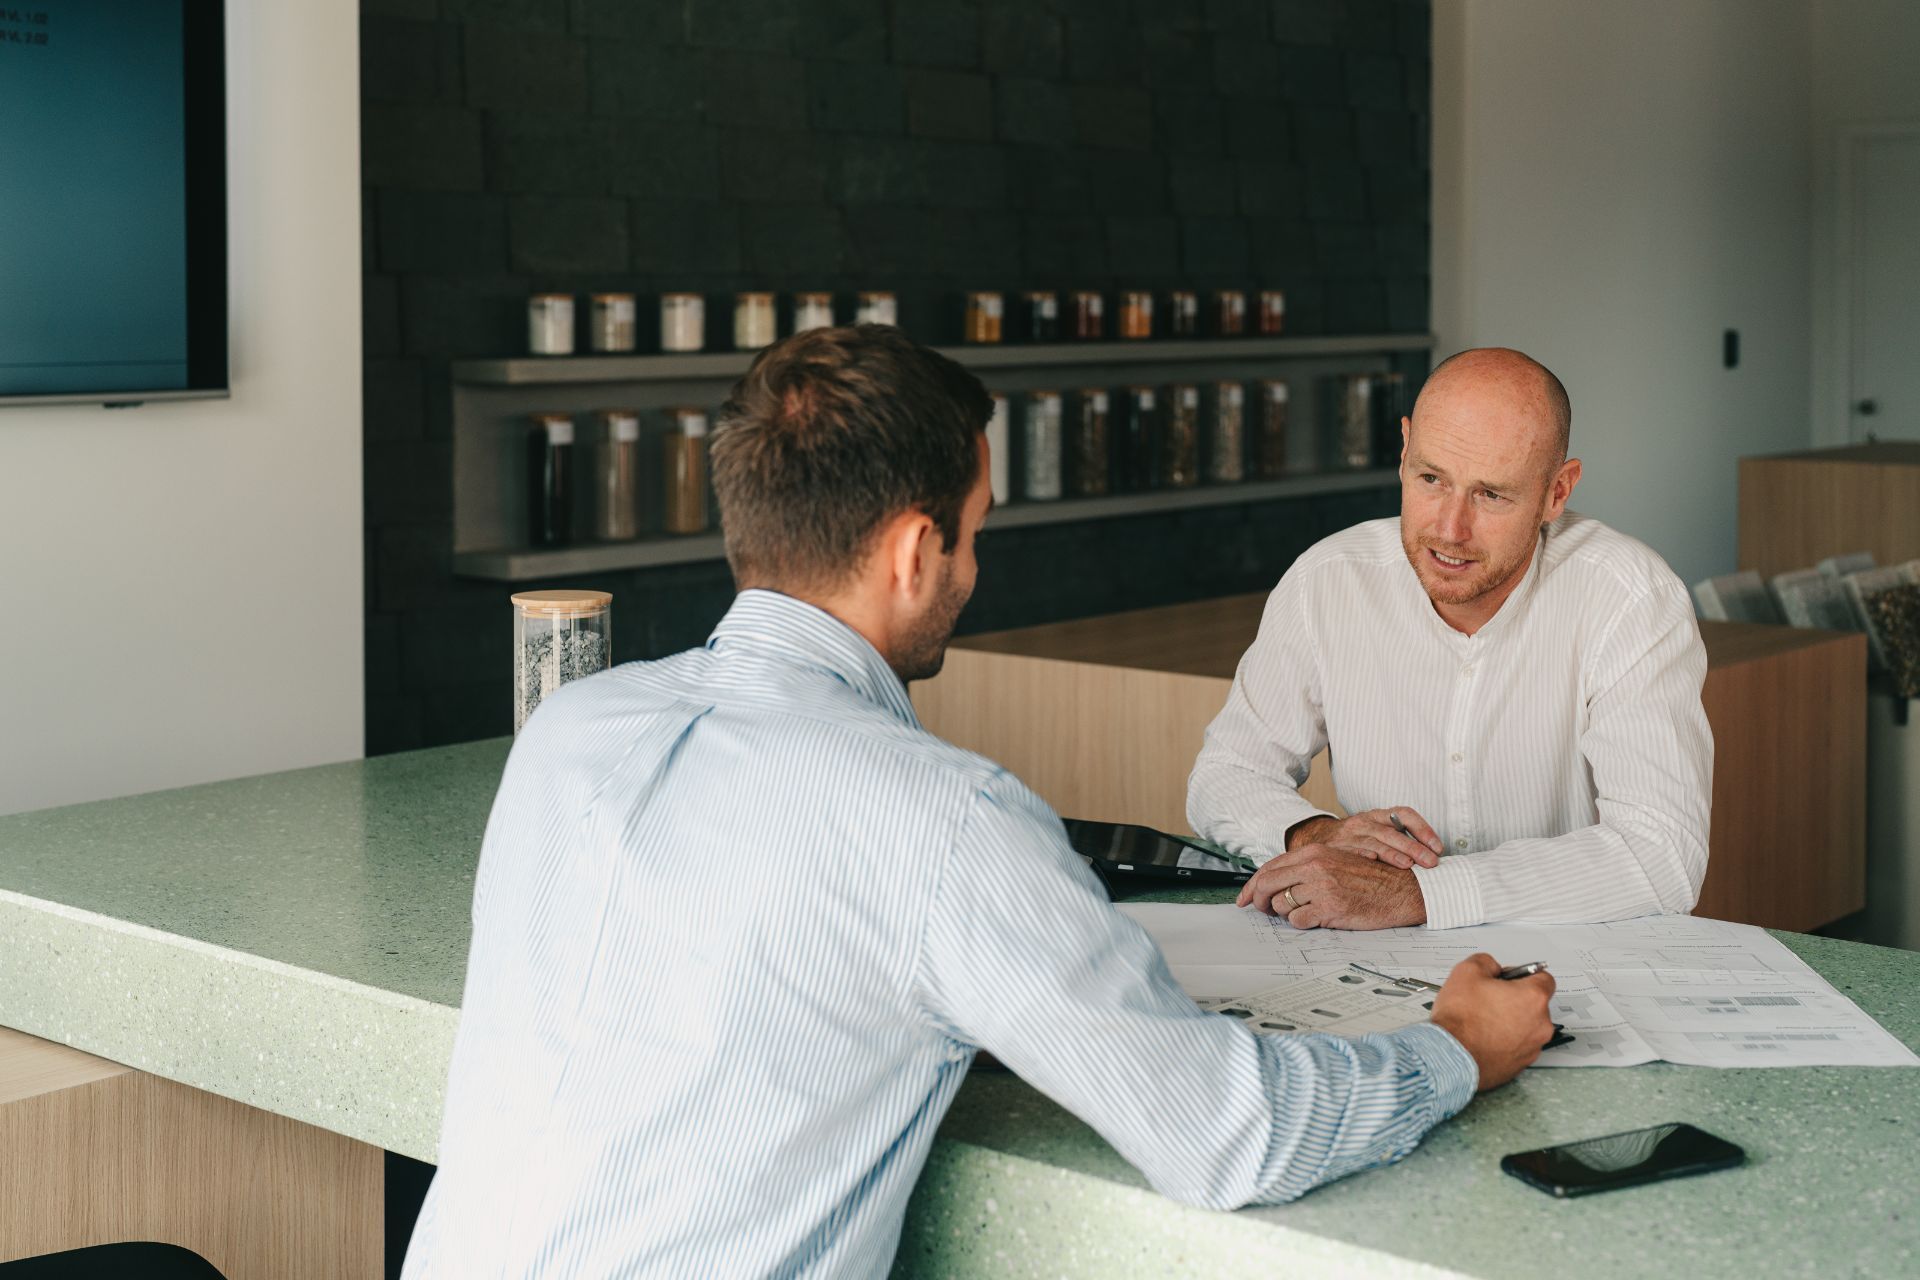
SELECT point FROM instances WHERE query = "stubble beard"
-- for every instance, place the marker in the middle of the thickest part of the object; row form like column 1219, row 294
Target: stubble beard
column 923, row 650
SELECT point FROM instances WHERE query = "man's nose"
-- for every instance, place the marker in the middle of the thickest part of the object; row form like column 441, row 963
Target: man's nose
column 1455, row 523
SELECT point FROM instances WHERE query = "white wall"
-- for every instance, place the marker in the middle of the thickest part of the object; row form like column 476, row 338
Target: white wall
column 183, row 582
column 1866, row 71
column 1615, row 184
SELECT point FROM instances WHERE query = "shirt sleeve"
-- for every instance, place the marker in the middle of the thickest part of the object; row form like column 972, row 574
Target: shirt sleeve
column 1650, row 750
column 1023, row 956
column 1244, row 792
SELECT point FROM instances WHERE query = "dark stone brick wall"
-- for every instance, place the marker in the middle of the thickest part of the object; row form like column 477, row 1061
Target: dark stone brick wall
column 927, row 146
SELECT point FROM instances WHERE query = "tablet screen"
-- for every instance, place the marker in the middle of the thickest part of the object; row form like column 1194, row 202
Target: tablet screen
column 1144, row 851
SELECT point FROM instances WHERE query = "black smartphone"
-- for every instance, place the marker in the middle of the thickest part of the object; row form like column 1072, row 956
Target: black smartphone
column 1623, row 1160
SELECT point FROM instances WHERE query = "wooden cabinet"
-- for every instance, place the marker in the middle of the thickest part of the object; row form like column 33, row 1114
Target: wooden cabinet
column 1104, row 716
column 1796, row 509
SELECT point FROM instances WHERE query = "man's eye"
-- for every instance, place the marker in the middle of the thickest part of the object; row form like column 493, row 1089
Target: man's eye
column 1495, row 497
column 1429, row 479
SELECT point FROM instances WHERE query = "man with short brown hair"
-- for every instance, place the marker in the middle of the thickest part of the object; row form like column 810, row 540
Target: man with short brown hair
column 1498, row 680
column 740, row 922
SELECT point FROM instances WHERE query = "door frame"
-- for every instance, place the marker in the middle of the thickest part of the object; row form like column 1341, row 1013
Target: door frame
column 1848, row 139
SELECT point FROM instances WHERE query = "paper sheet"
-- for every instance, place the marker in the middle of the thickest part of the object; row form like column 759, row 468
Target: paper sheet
column 1700, row 992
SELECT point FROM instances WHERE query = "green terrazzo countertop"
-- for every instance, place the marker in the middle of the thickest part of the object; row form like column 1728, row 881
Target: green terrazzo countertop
column 298, row 942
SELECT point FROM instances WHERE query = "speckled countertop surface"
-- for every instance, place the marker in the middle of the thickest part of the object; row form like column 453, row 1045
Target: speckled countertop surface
column 298, row 941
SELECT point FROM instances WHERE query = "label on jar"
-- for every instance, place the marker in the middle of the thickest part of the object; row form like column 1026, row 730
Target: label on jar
column 1189, row 397
column 1099, row 401
column 1277, row 392
column 1144, row 399
column 1232, row 393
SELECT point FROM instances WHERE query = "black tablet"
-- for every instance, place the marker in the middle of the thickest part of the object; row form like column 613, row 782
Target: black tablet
column 1125, row 855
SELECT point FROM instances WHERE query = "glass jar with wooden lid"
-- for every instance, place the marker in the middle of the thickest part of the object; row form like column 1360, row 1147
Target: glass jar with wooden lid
column 558, row 637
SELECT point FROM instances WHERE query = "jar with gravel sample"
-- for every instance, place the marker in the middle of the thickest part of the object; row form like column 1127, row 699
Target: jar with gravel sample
column 999, row 452
column 1272, row 314
column 1139, row 446
column 683, row 322
column 1136, row 314
column 1042, row 316
column 1090, row 446
column 1089, row 316
column 558, row 637
column 984, row 313
column 1041, row 441
column 1183, row 314
column 812, row 311
column 685, row 458
column 550, row 324
column 617, row 486
column 611, row 322
column 1271, row 445
column 1229, row 313
column 876, row 308
column 550, row 480
column 1180, row 442
column 752, row 321
column 1227, row 450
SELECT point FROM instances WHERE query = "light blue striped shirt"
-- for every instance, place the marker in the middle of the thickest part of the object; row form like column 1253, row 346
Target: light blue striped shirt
column 739, row 926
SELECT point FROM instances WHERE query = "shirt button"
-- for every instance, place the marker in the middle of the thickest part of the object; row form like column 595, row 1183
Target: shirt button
column 1457, row 757
column 1467, row 670
column 1460, row 843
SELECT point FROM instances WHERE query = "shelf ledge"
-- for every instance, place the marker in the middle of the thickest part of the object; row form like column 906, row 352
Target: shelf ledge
column 526, row 565
column 530, row 371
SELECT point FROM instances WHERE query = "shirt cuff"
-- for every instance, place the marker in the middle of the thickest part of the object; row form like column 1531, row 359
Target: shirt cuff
column 1277, row 816
column 1449, row 1067
column 1452, row 893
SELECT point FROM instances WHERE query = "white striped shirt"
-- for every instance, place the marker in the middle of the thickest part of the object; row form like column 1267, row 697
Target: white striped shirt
column 739, row 926
column 1561, row 752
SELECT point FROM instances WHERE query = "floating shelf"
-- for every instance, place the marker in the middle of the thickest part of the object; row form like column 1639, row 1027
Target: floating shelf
column 536, row 371
column 608, row 557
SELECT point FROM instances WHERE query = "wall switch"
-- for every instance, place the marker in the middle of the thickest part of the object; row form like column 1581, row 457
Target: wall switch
column 1730, row 349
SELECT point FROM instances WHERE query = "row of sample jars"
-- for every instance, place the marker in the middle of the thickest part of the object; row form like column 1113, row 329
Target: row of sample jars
column 612, row 320
column 1081, row 315
column 621, row 506
column 1138, row 439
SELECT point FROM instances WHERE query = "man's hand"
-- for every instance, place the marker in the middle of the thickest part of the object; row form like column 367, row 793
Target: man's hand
column 1502, row 1024
column 1335, row 889
column 1372, row 833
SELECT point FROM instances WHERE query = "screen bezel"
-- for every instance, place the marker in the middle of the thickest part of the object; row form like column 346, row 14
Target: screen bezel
column 203, row 66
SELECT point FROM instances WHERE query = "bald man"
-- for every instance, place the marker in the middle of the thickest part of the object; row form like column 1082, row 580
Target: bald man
column 1510, row 693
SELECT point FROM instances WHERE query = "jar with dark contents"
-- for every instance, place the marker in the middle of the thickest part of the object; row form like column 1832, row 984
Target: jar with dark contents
column 1180, row 442
column 1089, row 316
column 1090, row 447
column 983, row 317
column 1183, row 314
column 1272, row 313
column 550, row 480
column 1042, row 316
column 1136, row 314
column 1042, row 442
column 1227, row 448
column 1229, row 313
column 1139, row 446
column 1270, row 446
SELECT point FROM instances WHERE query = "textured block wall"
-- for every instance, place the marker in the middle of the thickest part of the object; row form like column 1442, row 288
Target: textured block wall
column 925, row 146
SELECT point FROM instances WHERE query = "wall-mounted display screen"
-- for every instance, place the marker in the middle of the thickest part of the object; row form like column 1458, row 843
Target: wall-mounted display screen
column 113, row 237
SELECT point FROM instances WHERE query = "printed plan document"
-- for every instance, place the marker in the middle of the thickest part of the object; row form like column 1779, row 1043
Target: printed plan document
column 1703, row 993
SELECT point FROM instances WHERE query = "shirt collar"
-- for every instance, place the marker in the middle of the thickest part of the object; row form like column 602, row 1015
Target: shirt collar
column 798, row 632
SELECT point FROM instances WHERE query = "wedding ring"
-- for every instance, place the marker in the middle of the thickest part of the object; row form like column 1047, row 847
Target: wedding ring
column 1287, row 893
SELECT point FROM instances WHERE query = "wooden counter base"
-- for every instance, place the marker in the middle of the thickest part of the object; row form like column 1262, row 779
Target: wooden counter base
column 1103, row 717
column 92, row 1152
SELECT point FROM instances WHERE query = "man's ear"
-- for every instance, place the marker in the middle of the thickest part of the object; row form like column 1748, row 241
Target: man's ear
column 1406, row 434
column 1560, row 489
column 910, row 544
